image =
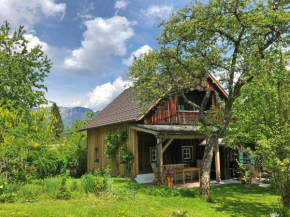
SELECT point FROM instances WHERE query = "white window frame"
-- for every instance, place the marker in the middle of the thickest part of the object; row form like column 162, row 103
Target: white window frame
column 153, row 157
column 187, row 153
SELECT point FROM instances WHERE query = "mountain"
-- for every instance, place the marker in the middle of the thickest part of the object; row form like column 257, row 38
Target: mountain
column 70, row 114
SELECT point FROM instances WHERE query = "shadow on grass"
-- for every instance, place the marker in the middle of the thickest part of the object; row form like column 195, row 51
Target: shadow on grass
column 160, row 191
column 239, row 201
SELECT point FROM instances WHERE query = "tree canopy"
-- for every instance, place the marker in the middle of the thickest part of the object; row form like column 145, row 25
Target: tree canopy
column 262, row 117
column 22, row 70
column 229, row 38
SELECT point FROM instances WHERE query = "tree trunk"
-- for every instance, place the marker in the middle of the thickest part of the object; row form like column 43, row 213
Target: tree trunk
column 204, row 190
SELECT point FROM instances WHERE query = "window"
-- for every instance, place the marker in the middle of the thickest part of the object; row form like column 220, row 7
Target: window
column 153, row 154
column 187, row 153
column 97, row 155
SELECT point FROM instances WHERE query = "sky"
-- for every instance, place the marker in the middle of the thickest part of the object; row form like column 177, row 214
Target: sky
column 91, row 43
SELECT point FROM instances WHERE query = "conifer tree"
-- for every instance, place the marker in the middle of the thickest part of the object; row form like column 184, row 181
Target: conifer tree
column 56, row 121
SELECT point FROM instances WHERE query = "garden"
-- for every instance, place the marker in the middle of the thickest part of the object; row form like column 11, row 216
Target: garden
column 99, row 194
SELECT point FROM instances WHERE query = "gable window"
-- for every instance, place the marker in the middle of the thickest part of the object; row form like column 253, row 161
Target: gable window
column 187, row 153
column 153, row 154
column 97, row 155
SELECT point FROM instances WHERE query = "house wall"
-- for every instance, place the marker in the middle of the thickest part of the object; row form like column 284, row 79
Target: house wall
column 96, row 139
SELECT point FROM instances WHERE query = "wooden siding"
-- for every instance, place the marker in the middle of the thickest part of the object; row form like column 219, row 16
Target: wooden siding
column 96, row 140
column 169, row 113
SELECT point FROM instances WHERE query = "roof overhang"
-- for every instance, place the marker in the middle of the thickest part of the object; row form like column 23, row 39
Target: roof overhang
column 171, row 131
column 220, row 141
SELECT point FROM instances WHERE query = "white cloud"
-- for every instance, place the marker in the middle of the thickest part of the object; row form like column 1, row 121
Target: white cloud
column 75, row 104
column 102, row 39
column 84, row 13
column 102, row 95
column 121, row 4
column 28, row 13
column 33, row 41
column 157, row 12
column 142, row 50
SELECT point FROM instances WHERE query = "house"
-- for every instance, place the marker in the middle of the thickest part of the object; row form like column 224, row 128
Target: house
column 164, row 132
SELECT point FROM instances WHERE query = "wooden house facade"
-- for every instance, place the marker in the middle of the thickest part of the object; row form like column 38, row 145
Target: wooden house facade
column 166, row 133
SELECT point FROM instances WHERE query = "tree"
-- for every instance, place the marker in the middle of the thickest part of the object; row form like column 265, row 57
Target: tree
column 75, row 147
column 22, row 70
column 230, row 38
column 262, row 117
column 56, row 121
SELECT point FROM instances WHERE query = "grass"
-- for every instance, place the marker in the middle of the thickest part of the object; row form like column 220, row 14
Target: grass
column 127, row 198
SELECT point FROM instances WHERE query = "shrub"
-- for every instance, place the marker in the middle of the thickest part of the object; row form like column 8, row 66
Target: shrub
column 51, row 186
column 30, row 193
column 8, row 198
column 102, row 172
column 92, row 184
column 74, row 186
column 88, row 183
column 63, row 193
column 101, row 184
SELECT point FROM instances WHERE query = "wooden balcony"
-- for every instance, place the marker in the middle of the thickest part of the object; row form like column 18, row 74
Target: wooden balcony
column 187, row 117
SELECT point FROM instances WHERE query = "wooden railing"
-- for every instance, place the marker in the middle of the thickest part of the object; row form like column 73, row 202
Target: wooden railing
column 187, row 117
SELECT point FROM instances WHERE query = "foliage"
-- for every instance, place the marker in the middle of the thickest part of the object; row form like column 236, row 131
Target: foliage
column 126, row 197
column 113, row 142
column 231, row 39
column 94, row 184
column 127, row 158
column 75, row 147
column 62, row 192
column 88, row 183
column 262, row 118
column 55, row 121
column 246, row 174
column 104, row 172
column 24, row 139
column 22, row 70
column 30, row 193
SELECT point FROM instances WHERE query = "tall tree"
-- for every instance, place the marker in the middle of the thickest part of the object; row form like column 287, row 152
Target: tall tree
column 262, row 117
column 22, row 70
column 231, row 38
column 56, row 121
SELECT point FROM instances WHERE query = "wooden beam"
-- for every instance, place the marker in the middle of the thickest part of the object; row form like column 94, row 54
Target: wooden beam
column 166, row 145
column 217, row 162
column 159, row 160
column 144, row 130
column 186, row 136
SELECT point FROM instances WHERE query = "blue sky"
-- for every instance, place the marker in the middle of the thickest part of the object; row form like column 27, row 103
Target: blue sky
column 90, row 42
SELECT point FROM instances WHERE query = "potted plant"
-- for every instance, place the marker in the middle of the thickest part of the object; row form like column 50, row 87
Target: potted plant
column 168, row 179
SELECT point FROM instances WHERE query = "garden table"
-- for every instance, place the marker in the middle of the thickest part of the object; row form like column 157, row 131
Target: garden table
column 183, row 171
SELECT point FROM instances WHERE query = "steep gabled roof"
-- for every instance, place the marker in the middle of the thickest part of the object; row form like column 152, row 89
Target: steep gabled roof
column 125, row 109
column 122, row 109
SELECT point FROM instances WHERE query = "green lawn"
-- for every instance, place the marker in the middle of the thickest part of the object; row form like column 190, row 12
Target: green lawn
column 127, row 198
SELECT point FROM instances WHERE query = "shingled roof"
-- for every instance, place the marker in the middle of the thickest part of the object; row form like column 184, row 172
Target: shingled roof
column 122, row 109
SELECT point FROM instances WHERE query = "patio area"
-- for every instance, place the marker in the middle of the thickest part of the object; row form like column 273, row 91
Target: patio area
column 196, row 184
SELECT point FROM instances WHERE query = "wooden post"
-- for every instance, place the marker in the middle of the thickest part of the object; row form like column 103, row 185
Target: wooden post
column 217, row 162
column 159, row 160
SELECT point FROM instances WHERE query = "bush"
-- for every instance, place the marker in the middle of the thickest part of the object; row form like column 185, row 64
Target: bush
column 88, row 183
column 8, row 198
column 74, row 186
column 101, row 184
column 92, row 184
column 63, row 193
column 51, row 186
column 102, row 172
column 30, row 193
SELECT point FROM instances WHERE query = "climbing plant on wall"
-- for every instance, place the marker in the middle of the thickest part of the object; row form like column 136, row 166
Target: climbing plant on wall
column 114, row 141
